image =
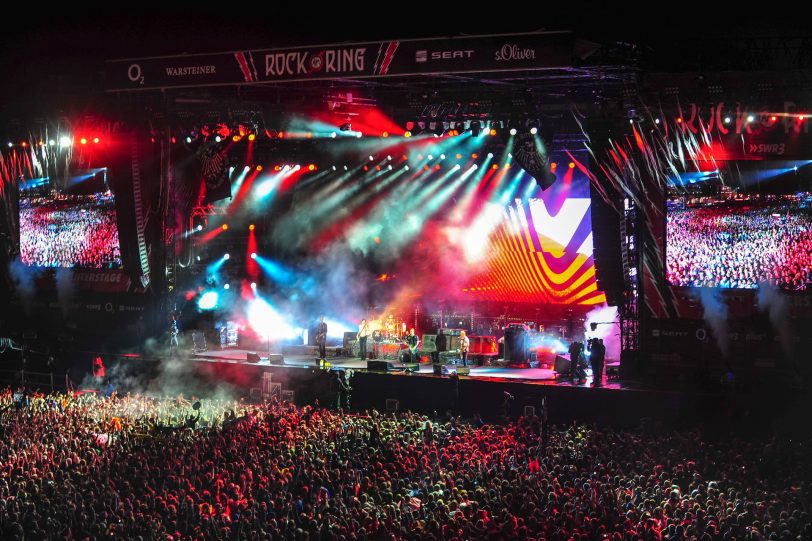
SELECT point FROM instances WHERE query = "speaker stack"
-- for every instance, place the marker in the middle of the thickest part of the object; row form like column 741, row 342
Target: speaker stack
column 516, row 346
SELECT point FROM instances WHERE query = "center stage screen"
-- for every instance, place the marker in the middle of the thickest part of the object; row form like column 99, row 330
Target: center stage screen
column 541, row 249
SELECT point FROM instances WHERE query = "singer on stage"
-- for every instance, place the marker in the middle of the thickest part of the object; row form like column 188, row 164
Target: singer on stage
column 321, row 338
column 363, row 334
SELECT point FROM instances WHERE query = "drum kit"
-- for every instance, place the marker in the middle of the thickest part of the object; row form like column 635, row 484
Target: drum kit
column 386, row 338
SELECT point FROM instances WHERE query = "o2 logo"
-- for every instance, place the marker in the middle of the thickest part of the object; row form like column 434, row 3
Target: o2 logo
column 135, row 74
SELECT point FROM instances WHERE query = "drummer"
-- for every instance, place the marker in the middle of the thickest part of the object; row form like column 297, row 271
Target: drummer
column 390, row 327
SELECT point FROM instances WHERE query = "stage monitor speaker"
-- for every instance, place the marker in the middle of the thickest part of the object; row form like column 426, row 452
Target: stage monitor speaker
column 516, row 350
column 276, row 358
column 429, row 344
column 562, row 365
column 252, row 357
column 383, row 366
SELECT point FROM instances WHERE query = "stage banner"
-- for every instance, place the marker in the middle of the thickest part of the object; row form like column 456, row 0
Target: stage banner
column 469, row 54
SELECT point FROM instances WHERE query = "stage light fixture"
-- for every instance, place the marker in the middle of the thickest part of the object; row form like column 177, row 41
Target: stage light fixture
column 407, row 133
column 773, row 118
column 490, row 154
column 10, row 145
column 727, row 120
column 512, row 131
column 442, row 156
column 534, row 130
column 225, row 227
column 253, row 255
column 226, row 256
column 200, row 228
column 572, row 165
column 227, row 286
column 386, row 134
column 252, row 227
column 24, row 144
column 371, row 158
column 259, row 168
column 311, row 167
column 750, row 118
column 235, row 138
column 83, row 140
column 334, row 168
column 217, row 139
column 188, row 139
column 253, row 285
column 333, row 135
column 51, row 142
column 656, row 120
column 251, row 137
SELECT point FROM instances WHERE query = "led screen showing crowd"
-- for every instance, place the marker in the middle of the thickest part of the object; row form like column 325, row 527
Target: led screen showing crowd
column 741, row 230
column 72, row 227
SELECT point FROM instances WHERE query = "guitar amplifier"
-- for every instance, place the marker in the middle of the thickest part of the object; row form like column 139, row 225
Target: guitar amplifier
column 429, row 343
column 349, row 340
column 448, row 342
column 198, row 341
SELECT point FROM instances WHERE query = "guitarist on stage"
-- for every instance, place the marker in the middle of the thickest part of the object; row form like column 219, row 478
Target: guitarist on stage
column 412, row 341
column 321, row 338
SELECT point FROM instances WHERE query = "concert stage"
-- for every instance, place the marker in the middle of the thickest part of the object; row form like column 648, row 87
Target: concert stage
column 485, row 391
column 493, row 372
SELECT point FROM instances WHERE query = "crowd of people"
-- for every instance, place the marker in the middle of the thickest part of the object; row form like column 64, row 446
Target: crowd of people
column 134, row 467
column 740, row 245
column 63, row 230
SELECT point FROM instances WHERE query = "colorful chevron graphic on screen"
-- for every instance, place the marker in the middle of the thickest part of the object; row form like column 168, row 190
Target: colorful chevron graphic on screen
column 540, row 256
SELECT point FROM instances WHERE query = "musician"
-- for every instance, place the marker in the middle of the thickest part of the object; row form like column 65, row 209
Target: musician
column 465, row 344
column 363, row 335
column 173, row 335
column 412, row 341
column 321, row 338
column 390, row 327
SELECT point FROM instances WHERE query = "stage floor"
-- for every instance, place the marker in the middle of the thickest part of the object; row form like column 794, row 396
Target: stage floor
column 543, row 376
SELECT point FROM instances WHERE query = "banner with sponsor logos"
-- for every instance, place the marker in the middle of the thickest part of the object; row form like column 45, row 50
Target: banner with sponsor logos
column 471, row 54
